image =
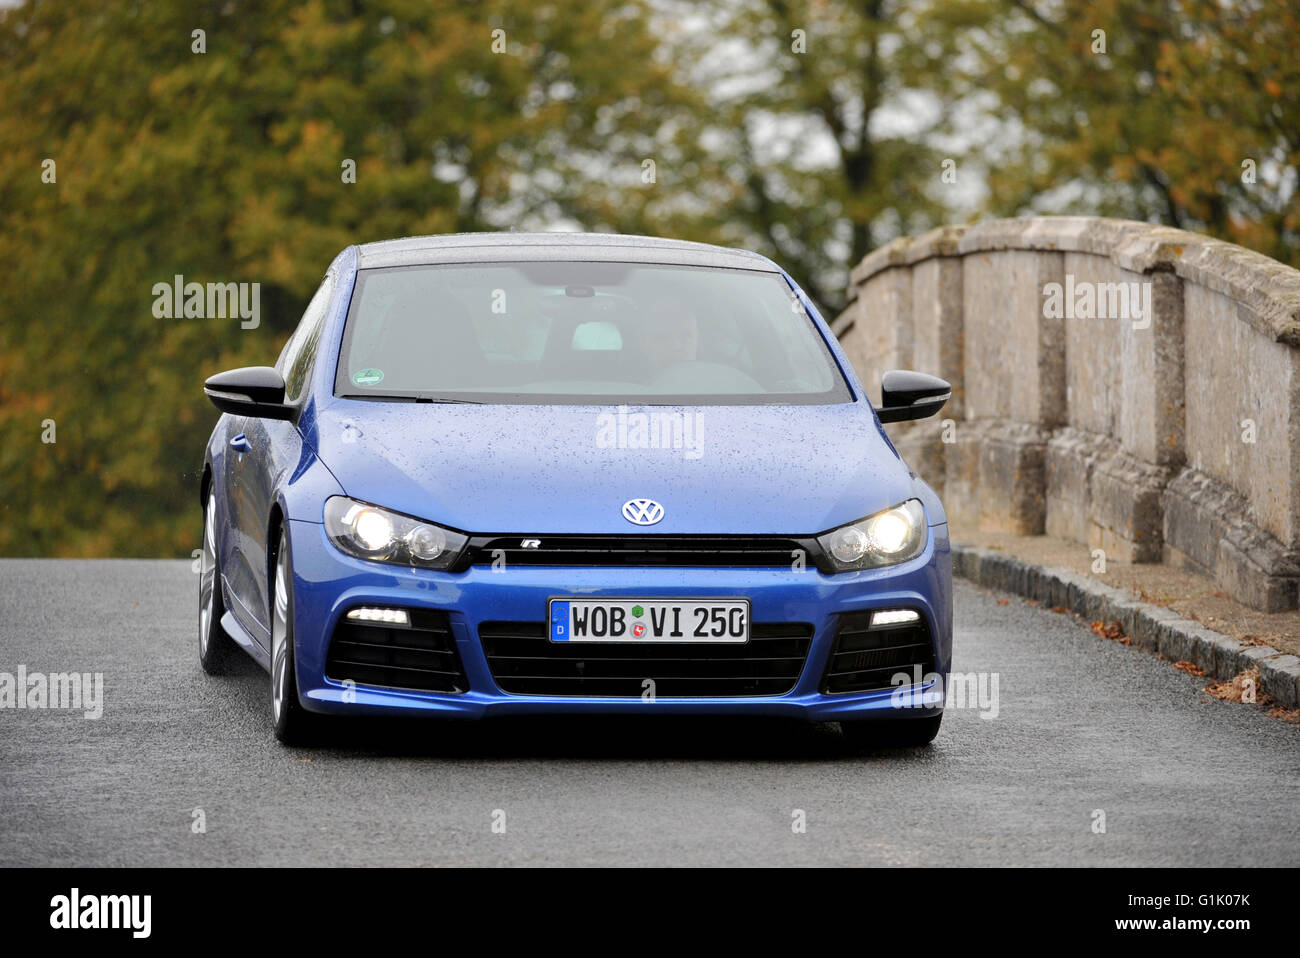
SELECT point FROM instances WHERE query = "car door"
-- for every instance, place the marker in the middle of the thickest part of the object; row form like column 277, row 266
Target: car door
column 227, row 533
column 274, row 447
column 230, row 540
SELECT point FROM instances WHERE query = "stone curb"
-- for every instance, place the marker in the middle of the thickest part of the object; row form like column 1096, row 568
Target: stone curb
column 1152, row 628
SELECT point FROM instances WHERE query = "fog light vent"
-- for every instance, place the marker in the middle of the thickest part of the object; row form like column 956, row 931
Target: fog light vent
column 391, row 616
column 894, row 617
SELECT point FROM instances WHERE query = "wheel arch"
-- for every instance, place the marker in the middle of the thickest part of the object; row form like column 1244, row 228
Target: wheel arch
column 205, row 484
column 274, row 525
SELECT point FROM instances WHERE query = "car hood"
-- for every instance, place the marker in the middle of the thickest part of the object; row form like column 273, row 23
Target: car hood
column 757, row 470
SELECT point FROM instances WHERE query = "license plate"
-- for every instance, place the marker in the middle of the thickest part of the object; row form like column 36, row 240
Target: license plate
column 684, row 621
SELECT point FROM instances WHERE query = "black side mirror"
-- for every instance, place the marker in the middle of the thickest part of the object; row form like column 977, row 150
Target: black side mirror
column 908, row 395
column 256, row 391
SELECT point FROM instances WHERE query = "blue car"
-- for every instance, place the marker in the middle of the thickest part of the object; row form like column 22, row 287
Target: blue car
column 515, row 474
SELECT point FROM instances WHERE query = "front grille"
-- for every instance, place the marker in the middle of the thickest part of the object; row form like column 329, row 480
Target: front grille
column 421, row 656
column 642, row 551
column 864, row 659
column 525, row 662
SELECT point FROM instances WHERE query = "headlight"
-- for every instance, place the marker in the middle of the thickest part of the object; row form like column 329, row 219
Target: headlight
column 888, row 537
column 369, row 532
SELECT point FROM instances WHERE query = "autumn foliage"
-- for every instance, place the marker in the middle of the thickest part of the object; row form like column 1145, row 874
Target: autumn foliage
column 248, row 142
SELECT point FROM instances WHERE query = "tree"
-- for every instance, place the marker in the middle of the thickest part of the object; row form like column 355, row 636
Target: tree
column 1184, row 112
column 213, row 141
column 830, row 124
column 230, row 141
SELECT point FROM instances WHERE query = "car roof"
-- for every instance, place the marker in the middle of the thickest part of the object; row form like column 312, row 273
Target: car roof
column 520, row 247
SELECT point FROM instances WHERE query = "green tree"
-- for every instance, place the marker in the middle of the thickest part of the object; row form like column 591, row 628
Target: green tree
column 134, row 148
column 828, row 126
column 221, row 156
column 1184, row 112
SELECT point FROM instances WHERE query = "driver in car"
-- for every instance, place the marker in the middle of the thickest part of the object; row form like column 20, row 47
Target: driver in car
column 674, row 338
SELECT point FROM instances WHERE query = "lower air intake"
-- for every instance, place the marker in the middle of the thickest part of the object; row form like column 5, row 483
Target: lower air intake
column 525, row 662
column 864, row 659
column 421, row 656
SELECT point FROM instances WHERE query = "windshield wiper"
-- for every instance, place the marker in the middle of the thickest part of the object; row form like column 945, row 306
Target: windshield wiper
column 409, row 397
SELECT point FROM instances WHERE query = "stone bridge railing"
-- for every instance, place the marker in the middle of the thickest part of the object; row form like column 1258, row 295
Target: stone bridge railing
column 1130, row 387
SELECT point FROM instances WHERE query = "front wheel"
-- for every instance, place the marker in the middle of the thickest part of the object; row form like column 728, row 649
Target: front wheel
column 294, row 725
column 217, row 651
column 869, row 736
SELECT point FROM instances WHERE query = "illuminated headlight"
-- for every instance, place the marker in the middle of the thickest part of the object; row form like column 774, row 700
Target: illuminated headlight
column 888, row 537
column 369, row 532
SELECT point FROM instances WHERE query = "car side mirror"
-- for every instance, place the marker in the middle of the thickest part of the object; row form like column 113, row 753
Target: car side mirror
column 908, row 395
column 256, row 391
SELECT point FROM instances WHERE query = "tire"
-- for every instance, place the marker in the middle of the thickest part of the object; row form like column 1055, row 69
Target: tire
column 871, row 736
column 218, row 653
column 294, row 725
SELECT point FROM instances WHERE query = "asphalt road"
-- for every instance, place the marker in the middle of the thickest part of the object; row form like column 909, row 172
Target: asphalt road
column 1083, row 725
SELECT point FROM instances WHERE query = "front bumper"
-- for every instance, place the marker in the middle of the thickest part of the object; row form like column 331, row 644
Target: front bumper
column 327, row 583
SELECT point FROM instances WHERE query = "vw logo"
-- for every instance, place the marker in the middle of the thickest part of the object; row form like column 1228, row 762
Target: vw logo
column 642, row 512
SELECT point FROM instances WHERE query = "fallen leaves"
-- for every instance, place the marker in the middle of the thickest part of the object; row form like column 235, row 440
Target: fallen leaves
column 1191, row 668
column 1111, row 630
column 1146, row 596
column 1236, row 688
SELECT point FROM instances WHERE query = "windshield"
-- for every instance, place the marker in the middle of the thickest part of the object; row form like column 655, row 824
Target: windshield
column 557, row 332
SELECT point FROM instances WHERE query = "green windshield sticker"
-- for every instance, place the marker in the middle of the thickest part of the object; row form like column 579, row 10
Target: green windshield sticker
column 368, row 377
